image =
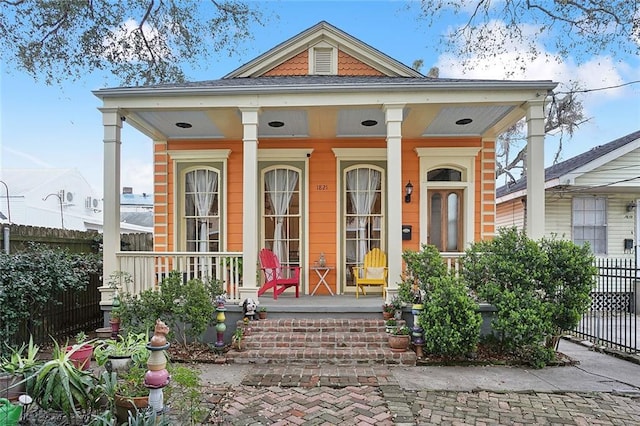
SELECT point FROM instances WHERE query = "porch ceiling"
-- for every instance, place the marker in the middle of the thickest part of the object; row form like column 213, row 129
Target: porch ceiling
column 420, row 120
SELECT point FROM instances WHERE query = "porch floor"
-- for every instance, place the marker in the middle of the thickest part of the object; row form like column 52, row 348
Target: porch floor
column 287, row 302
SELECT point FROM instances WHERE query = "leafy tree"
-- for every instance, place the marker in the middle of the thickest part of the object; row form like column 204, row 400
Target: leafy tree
column 568, row 28
column 139, row 41
column 585, row 28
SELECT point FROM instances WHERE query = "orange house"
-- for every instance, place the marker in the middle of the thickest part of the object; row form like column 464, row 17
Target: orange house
column 323, row 144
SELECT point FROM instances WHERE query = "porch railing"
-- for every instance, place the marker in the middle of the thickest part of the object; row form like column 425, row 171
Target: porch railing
column 612, row 320
column 148, row 269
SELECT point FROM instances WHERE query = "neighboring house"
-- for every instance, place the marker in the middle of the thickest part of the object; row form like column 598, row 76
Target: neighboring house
column 136, row 209
column 312, row 148
column 52, row 198
column 592, row 197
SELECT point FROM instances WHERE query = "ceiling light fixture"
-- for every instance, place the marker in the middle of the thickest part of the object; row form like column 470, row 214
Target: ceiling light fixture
column 369, row 123
column 276, row 124
column 463, row 121
column 184, row 125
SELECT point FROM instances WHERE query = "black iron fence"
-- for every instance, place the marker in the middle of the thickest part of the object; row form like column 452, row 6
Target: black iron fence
column 613, row 319
column 72, row 311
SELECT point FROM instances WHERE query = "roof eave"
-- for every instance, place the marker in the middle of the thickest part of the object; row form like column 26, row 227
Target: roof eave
column 543, row 85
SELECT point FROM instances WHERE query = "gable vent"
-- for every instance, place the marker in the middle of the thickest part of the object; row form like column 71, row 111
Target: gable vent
column 322, row 59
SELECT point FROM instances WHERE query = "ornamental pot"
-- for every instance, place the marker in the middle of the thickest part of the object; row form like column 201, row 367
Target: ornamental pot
column 387, row 315
column 118, row 364
column 10, row 386
column 125, row 405
column 398, row 342
column 81, row 357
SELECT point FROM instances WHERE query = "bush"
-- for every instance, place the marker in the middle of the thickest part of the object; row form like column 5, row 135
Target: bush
column 538, row 288
column 450, row 319
column 187, row 308
column 421, row 268
column 29, row 280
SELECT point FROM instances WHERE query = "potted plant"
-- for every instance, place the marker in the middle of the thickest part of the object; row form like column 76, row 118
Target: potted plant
column 81, row 352
column 118, row 354
column 60, row 386
column 397, row 305
column 399, row 339
column 387, row 311
column 16, row 368
column 131, row 395
column 262, row 313
column 390, row 325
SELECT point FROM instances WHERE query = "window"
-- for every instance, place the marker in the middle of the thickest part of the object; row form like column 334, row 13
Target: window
column 282, row 216
column 202, row 210
column 589, row 222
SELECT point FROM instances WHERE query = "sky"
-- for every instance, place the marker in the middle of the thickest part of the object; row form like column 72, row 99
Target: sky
column 52, row 127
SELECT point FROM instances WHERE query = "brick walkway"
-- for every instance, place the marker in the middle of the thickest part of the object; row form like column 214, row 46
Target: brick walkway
column 335, row 395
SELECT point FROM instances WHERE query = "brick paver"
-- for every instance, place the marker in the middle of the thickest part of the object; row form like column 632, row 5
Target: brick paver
column 339, row 395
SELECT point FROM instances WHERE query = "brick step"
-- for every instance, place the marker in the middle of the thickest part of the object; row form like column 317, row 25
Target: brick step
column 307, row 356
column 301, row 325
column 327, row 340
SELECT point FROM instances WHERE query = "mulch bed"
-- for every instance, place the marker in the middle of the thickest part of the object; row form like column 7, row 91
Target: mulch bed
column 487, row 355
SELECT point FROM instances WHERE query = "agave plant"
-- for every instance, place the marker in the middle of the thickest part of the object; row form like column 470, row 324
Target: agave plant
column 60, row 386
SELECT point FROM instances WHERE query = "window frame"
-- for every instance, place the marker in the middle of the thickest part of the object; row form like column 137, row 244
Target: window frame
column 603, row 226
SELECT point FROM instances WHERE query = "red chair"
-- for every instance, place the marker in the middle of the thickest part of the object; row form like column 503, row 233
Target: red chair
column 270, row 266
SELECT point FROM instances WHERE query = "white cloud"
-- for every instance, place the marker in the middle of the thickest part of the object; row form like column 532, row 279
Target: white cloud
column 138, row 175
column 122, row 44
column 598, row 72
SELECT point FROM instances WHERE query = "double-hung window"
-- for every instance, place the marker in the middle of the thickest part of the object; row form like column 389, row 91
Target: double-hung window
column 589, row 222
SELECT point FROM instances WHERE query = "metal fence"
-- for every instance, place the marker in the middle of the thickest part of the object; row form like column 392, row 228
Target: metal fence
column 66, row 315
column 612, row 321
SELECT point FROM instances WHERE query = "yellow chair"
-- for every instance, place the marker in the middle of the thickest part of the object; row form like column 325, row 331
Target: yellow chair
column 373, row 272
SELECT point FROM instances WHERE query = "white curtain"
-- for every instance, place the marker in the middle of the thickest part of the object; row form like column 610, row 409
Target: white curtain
column 202, row 184
column 281, row 184
column 362, row 186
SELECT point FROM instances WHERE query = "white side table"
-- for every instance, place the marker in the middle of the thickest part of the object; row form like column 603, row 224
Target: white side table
column 322, row 272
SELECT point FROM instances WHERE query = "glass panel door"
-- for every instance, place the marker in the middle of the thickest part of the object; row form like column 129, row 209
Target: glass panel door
column 445, row 219
column 281, row 216
column 363, row 227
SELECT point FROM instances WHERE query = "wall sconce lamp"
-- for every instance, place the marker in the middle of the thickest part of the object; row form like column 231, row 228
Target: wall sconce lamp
column 408, row 189
column 631, row 206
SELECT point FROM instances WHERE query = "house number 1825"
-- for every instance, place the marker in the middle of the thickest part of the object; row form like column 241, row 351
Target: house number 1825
column 322, row 187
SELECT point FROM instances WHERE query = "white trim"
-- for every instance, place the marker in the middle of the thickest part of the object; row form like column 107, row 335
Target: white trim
column 462, row 159
column 185, row 155
column 323, row 45
column 570, row 177
column 357, row 154
column 284, row 154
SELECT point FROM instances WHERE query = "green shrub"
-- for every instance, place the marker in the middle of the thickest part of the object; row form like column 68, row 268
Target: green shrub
column 572, row 276
column 31, row 279
column 450, row 319
column 421, row 267
column 538, row 288
column 187, row 308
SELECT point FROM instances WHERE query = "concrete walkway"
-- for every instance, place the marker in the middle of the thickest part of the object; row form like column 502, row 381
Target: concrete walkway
column 600, row 390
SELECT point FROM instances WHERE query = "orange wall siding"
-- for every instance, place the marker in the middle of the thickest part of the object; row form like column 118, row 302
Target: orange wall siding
column 348, row 65
column 160, row 201
column 298, row 65
column 322, row 191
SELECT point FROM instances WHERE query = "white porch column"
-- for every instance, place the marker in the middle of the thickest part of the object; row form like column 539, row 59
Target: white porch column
column 112, row 123
column 535, row 169
column 395, row 196
column 249, row 203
